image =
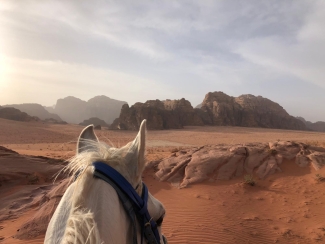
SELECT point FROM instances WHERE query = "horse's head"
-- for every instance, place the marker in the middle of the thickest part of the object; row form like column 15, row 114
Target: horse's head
column 129, row 161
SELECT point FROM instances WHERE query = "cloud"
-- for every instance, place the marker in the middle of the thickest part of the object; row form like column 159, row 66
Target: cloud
column 302, row 57
column 176, row 48
column 58, row 79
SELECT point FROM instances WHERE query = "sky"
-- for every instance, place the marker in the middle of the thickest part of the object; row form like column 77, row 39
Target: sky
column 142, row 50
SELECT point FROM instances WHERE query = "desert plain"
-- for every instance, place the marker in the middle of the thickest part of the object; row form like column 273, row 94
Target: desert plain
column 285, row 207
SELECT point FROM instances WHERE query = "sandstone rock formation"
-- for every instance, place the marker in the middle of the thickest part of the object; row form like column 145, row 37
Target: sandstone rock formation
column 94, row 121
column 317, row 126
column 27, row 182
column 75, row 110
column 247, row 110
column 34, row 109
column 183, row 108
column 15, row 114
column 218, row 162
column 168, row 114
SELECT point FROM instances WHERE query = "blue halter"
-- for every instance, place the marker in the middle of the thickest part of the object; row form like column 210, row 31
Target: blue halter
column 131, row 200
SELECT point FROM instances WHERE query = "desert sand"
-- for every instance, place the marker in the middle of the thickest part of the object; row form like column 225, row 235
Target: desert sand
column 286, row 207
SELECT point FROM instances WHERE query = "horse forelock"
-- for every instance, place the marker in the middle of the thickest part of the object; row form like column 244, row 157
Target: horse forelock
column 114, row 157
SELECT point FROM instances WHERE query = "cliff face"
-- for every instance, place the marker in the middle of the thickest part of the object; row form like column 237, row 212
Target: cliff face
column 34, row 109
column 168, row 114
column 75, row 110
column 247, row 110
column 217, row 108
column 71, row 109
column 220, row 109
column 183, row 108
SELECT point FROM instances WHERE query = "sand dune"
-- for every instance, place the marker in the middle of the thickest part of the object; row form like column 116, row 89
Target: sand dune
column 285, row 207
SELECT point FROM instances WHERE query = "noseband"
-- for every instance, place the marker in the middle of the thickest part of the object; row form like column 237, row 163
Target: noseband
column 134, row 205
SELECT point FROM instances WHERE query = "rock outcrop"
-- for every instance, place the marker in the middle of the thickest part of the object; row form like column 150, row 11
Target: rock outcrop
column 168, row 114
column 34, row 109
column 247, row 110
column 75, row 110
column 186, row 114
column 217, row 108
column 15, row 114
column 219, row 162
column 27, row 182
column 94, row 121
column 317, row 126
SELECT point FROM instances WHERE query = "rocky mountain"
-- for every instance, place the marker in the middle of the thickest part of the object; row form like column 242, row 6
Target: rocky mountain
column 75, row 110
column 317, row 126
column 168, row 114
column 15, row 114
column 183, row 108
column 94, row 121
column 34, row 109
column 246, row 110
column 71, row 109
column 217, row 108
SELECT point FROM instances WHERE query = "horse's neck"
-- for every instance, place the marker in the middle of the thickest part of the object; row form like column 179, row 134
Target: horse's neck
column 99, row 198
column 112, row 221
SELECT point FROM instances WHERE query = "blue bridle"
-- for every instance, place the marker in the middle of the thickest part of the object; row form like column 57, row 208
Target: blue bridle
column 135, row 205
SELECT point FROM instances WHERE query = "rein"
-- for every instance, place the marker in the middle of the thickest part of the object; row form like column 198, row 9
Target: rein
column 135, row 206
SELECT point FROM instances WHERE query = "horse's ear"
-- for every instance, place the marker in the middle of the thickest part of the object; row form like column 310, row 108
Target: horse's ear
column 86, row 140
column 136, row 154
column 142, row 146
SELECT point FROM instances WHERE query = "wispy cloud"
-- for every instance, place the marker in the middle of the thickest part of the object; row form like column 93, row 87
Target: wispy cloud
column 64, row 79
column 177, row 48
column 301, row 57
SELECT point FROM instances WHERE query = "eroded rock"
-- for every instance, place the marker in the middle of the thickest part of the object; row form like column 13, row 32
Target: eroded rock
column 168, row 114
column 218, row 108
column 220, row 162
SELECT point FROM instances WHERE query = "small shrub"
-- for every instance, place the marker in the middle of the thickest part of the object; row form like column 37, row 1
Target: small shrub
column 319, row 178
column 273, row 152
column 249, row 180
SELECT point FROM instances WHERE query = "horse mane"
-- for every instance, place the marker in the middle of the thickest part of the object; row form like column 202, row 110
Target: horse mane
column 81, row 228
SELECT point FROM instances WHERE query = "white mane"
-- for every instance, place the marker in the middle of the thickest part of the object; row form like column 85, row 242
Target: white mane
column 101, row 152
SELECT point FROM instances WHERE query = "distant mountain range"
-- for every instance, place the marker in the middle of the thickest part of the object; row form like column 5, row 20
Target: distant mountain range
column 74, row 110
column 34, row 109
column 15, row 114
column 217, row 108
column 317, row 126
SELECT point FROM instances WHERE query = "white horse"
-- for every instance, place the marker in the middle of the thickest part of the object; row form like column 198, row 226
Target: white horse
column 90, row 210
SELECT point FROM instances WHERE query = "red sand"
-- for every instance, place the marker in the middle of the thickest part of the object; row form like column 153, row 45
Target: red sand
column 287, row 207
